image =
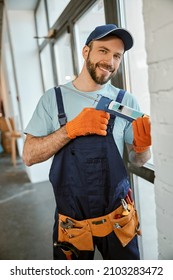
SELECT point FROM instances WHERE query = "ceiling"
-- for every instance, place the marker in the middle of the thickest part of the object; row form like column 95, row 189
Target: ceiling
column 21, row 4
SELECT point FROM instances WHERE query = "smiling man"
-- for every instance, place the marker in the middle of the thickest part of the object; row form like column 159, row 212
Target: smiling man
column 90, row 182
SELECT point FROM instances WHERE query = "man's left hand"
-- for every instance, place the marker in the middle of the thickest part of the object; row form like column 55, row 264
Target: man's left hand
column 142, row 137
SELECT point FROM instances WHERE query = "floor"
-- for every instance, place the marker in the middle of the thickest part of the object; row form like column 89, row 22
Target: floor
column 26, row 214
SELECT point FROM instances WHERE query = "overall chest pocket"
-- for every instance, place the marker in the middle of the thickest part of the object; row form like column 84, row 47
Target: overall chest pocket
column 91, row 165
column 96, row 171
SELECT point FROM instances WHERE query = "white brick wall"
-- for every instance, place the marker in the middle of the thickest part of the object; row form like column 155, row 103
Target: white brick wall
column 158, row 22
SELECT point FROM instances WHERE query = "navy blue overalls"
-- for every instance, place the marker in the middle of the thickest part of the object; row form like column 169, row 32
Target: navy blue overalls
column 89, row 180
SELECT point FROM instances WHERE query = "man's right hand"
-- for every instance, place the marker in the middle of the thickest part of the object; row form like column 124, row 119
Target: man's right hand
column 89, row 121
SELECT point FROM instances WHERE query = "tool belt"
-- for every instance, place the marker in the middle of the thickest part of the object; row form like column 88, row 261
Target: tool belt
column 80, row 233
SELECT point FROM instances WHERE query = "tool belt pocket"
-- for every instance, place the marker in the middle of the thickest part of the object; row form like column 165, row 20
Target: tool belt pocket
column 76, row 233
column 126, row 227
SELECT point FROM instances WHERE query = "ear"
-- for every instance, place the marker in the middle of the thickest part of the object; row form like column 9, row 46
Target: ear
column 85, row 52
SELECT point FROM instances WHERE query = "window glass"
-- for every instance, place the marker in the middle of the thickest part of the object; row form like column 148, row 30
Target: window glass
column 136, row 71
column 137, row 81
column 84, row 26
column 145, row 196
column 41, row 21
column 46, row 65
column 55, row 8
column 135, row 60
column 63, row 58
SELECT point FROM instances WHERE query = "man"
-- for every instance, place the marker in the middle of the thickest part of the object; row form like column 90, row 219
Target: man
column 91, row 186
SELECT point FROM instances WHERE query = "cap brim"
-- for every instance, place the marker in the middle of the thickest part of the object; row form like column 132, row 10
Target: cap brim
column 123, row 34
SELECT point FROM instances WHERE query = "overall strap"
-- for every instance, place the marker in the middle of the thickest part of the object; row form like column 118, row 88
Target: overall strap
column 112, row 117
column 61, row 113
column 120, row 95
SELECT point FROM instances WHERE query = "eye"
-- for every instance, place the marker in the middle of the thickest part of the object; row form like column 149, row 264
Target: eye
column 103, row 51
column 117, row 56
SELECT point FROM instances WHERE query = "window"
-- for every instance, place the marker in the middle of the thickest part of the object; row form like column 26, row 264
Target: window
column 63, row 58
column 145, row 197
column 46, row 64
column 137, row 65
column 137, row 82
column 55, row 8
column 41, row 21
column 87, row 22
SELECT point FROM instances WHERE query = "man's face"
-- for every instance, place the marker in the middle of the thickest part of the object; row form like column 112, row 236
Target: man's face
column 103, row 59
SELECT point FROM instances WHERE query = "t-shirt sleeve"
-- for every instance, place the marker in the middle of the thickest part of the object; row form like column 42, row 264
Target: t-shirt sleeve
column 41, row 122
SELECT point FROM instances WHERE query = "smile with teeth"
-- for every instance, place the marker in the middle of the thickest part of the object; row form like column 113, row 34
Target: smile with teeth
column 105, row 69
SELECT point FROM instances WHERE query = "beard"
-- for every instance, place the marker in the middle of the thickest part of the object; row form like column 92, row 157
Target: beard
column 100, row 79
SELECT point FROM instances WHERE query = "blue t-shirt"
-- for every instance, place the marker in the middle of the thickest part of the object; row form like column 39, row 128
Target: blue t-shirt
column 45, row 121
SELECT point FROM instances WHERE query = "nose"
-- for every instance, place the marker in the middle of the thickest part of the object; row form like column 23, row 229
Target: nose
column 109, row 59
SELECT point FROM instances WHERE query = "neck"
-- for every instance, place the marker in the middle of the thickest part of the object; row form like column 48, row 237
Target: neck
column 85, row 83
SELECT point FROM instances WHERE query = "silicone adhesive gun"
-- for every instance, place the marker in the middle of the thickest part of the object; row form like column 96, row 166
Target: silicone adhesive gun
column 118, row 109
column 112, row 107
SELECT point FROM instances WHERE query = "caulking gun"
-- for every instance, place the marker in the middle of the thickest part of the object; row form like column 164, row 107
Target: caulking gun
column 118, row 109
column 112, row 107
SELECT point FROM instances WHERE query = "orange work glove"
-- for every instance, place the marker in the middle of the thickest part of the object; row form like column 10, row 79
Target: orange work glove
column 142, row 138
column 89, row 121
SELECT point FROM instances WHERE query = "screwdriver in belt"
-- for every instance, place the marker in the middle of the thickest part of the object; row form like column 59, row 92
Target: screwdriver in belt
column 126, row 207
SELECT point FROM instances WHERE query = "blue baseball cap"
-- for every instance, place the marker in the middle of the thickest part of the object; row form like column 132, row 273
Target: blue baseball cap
column 111, row 29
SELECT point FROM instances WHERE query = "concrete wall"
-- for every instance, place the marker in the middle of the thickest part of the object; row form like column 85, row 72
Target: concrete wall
column 158, row 22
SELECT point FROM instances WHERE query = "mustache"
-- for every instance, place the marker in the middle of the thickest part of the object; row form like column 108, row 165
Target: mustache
column 105, row 66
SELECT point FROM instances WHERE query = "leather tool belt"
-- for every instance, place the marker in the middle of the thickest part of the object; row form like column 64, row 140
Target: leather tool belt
column 80, row 233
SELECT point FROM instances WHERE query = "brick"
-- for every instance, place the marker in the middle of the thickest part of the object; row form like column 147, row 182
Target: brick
column 162, row 69
column 165, row 248
column 161, row 111
column 162, row 142
column 158, row 29
column 157, row 13
column 163, row 168
column 163, row 38
column 164, row 198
